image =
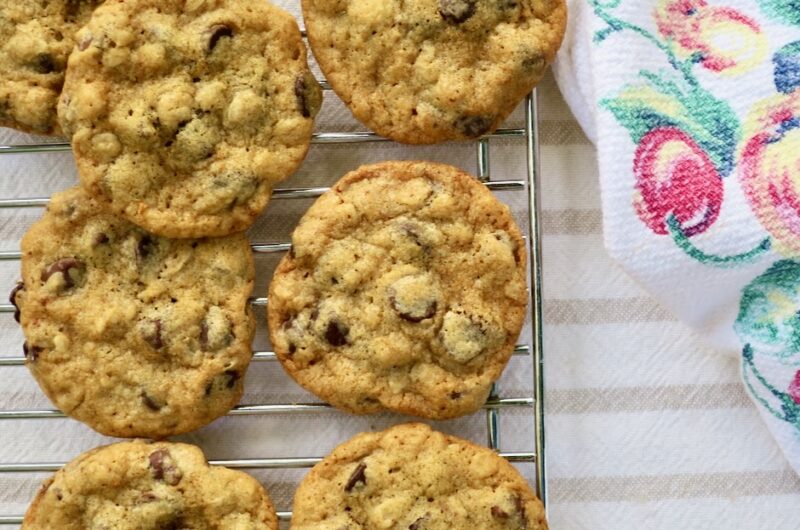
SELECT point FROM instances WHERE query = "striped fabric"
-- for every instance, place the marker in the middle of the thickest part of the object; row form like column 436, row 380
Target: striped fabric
column 648, row 427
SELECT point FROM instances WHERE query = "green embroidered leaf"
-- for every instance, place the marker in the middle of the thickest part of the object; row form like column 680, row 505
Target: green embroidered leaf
column 659, row 102
column 769, row 311
column 787, row 11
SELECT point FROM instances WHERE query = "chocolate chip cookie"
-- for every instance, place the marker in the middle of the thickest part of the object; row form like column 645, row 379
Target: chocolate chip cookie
column 184, row 114
column 425, row 71
column 130, row 333
column 405, row 290
column 35, row 41
column 412, row 477
column 139, row 485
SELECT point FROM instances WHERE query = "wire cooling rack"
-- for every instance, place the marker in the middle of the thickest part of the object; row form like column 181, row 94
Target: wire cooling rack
column 531, row 350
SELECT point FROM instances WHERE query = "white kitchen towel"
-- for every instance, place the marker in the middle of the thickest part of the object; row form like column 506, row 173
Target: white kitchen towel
column 694, row 106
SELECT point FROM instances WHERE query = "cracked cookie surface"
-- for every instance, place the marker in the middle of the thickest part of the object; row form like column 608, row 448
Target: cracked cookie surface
column 36, row 38
column 425, row 71
column 149, row 486
column 131, row 333
column 410, row 477
column 184, row 114
column 405, row 290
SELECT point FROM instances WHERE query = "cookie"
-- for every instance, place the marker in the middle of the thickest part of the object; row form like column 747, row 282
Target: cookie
column 412, row 477
column 139, row 485
column 35, row 41
column 184, row 114
column 405, row 290
column 130, row 333
column 425, row 71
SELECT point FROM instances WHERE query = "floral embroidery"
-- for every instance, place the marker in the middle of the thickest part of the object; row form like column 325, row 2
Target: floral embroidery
column 688, row 141
column 686, row 137
column 721, row 39
column 787, row 11
column 674, row 177
column 787, row 67
column 770, row 168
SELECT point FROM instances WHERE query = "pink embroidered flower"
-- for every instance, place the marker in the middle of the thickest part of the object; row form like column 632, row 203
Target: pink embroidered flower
column 675, row 177
column 769, row 168
column 722, row 38
column 794, row 388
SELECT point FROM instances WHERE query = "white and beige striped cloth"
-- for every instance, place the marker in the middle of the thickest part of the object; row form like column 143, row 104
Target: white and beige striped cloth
column 647, row 427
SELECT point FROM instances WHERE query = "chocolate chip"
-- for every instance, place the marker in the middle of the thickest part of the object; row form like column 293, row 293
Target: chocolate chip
column 519, row 505
column 150, row 330
column 533, row 62
column 151, row 402
column 499, row 513
column 419, row 524
column 147, row 496
column 101, row 239
column 411, row 316
column 70, row 268
column 473, row 126
column 456, row 11
column 216, row 331
column 13, row 299
column 146, row 246
column 218, row 31
column 357, row 476
column 226, row 380
column 308, row 94
column 231, row 376
column 413, row 298
column 72, row 9
column 162, row 467
column 455, row 395
column 44, row 63
column 31, row 352
column 336, row 333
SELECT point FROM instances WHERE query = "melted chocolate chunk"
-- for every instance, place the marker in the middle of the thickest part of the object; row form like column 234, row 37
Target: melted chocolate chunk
column 456, row 11
column 499, row 513
column 412, row 316
column 419, row 524
column 146, row 246
column 300, row 93
column 151, row 333
column 336, row 333
column 44, row 63
column 151, row 402
column 519, row 505
column 12, row 297
column 31, row 352
column 357, row 476
column 65, row 266
column 72, row 9
column 473, row 126
column 218, row 31
column 162, row 467
column 225, row 380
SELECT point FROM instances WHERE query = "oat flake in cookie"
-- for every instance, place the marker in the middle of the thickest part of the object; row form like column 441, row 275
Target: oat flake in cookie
column 405, row 290
column 185, row 113
column 36, row 38
column 145, row 486
column 130, row 333
column 425, row 71
column 412, row 477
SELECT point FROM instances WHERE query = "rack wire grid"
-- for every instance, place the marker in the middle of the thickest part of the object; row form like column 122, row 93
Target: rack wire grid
column 532, row 350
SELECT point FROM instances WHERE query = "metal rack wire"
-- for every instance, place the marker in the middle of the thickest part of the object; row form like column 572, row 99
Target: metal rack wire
column 527, row 184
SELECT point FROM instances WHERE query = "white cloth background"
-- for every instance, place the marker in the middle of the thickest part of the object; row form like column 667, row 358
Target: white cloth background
column 647, row 427
column 588, row 72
